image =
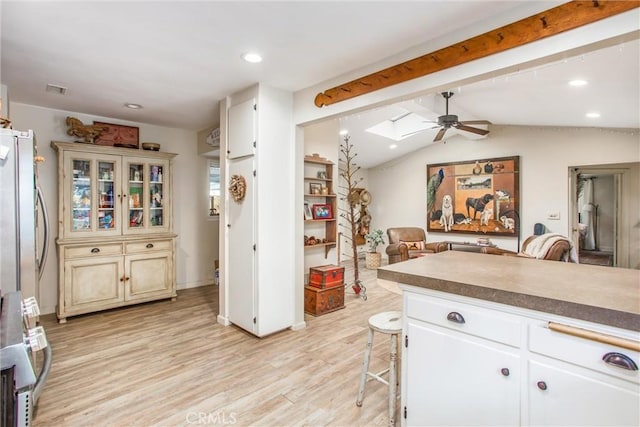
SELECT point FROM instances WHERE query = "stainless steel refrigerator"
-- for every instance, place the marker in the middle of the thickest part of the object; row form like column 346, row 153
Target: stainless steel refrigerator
column 23, row 215
column 23, row 218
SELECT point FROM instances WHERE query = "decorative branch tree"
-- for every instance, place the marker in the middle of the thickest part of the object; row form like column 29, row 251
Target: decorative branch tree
column 351, row 214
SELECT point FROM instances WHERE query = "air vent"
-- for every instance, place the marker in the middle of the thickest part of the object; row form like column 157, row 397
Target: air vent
column 60, row 90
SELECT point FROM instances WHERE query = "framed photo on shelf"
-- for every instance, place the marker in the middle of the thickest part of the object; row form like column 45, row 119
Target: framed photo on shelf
column 315, row 188
column 322, row 175
column 307, row 211
column 322, row 211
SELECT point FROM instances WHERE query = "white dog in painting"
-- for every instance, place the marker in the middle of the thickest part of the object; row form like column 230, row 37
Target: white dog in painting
column 446, row 220
column 485, row 216
column 508, row 223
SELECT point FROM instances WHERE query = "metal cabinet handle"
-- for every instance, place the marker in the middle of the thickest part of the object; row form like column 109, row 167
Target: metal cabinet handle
column 455, row 317
column 149, row 245
column 505, row 372
column 542, row 385
column 95, row 250
column 620, row 360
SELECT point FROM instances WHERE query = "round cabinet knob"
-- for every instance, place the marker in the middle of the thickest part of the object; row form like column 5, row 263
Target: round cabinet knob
column 505, row 372
column 542, row 385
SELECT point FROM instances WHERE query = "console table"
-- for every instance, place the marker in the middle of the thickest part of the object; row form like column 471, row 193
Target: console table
column 468, row 246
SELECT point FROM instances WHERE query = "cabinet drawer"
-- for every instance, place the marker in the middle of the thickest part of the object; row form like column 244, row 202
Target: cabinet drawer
column 470, row 319
column 148, row 246
column 93, row 251
column 580, row 351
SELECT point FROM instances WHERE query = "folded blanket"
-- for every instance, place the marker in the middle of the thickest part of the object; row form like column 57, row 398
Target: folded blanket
column 539, row 246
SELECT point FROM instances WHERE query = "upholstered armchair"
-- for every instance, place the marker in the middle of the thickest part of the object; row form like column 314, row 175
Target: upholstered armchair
column 546, row 246
column 410, row 242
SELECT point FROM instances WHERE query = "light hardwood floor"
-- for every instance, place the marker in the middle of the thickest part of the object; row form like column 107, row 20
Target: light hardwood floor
column 169, row 364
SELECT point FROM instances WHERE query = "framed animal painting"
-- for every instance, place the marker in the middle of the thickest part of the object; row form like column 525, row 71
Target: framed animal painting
column 476, row 196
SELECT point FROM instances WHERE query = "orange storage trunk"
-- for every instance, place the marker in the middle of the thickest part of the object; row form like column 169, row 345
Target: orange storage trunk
column 321, row 301
column 326, row 276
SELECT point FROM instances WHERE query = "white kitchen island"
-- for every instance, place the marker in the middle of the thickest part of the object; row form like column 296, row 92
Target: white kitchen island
column 496, row 340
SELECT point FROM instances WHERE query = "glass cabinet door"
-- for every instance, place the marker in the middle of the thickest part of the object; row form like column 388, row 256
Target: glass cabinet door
column 147, row 204
column 136, row 196
column 156, row 194
column 81, row 195
column 93, row 195
column 106, row 196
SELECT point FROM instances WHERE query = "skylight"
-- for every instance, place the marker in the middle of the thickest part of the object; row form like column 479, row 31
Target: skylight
column 401, row 126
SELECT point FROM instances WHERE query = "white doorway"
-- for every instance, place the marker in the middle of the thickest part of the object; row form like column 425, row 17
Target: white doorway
column 599, row 202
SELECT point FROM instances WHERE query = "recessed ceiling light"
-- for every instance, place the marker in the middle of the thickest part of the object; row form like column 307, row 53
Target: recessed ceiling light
column 393, row 146
column 133, row 106
column 593, row 115
column 344, row 132
column 252, row 57
column 578, row 82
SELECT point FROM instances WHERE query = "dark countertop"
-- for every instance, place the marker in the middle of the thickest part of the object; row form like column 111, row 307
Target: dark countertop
column 606, row 295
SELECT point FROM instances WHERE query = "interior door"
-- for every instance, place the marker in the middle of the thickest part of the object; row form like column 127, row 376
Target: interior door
column 241, row 254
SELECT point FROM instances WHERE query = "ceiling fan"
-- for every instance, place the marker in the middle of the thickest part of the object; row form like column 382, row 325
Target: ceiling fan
column 451, row 120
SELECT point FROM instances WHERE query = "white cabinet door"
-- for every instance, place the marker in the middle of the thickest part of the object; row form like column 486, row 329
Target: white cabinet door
column 241, row 226
column 566, row 395
column 458, row 379
column 93, row 283
column 242, row 129
column 148, row 275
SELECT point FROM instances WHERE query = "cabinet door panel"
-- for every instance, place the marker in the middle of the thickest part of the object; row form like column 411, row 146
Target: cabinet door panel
column 242, row 129
column 93, row 282
column 457, row 379
column 578, row 397
column 91, row 194
column 241, row 256
column 148, row 275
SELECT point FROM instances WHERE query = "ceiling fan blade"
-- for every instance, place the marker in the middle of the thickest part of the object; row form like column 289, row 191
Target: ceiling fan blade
column 476, row 122
column 439, row 135
column 478, row 131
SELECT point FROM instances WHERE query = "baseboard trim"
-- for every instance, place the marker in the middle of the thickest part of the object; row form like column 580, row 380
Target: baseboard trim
column 223, row 320
column 196, row 284
column 298, row 326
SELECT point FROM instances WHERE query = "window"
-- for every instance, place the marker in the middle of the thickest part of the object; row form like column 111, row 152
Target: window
column 214, row 188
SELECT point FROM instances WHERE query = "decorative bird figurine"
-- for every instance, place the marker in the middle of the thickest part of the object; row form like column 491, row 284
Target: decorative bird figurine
column 477, row 170
column 88, row 132
column 432, row 186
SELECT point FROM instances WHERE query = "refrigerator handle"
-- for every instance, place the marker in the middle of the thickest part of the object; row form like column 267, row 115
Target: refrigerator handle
column 45, row 246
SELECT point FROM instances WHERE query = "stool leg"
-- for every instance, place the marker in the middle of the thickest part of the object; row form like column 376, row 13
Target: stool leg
column 365, row 368
column 393, row 384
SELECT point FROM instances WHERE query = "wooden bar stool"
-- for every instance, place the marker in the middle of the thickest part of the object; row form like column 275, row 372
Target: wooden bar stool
column 390, row 323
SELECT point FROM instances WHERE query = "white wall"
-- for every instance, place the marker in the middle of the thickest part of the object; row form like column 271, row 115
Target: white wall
column 189, row 205
column 545, row 157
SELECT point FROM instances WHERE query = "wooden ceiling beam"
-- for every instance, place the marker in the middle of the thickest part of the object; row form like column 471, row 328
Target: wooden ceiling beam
column 562, row 18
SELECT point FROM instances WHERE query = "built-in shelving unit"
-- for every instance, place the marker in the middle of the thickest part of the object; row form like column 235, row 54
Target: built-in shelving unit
column 320, row 210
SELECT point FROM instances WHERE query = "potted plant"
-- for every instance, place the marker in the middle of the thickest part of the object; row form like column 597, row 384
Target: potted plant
column 373, row 257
